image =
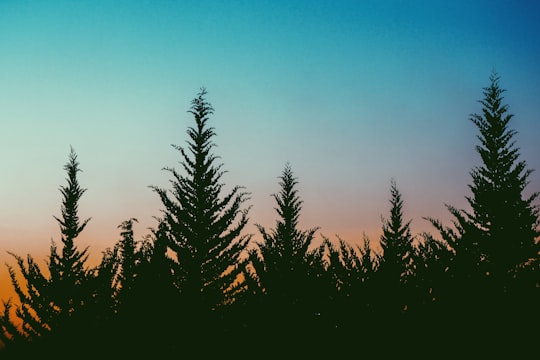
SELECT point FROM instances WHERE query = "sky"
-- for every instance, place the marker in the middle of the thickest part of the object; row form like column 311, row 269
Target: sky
column 350, row 93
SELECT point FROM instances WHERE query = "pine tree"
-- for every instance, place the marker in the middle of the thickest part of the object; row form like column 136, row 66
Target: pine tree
column 350, row 267
column 54, row 304
column 429, row 277
column 496, row 241
column 395, row 260
column 281, row 262
column 507, row 221
column 396, row 240
column 202, row 228
column 104, row 286
column 68, row 270
column 144, row 295
column 127, row 260
column 349, row 272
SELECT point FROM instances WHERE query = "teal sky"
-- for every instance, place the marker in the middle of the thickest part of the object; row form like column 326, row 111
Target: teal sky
column 350, row 93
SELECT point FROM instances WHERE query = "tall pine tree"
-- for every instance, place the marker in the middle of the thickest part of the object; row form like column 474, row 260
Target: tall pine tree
column 54, row 303
column 495, row 243
column 68, row 270
column 202, row 228
column 506, row 220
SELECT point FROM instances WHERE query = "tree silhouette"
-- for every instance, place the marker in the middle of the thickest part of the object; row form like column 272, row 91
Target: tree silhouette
column 202, row 228
column 102, row 311
column 193, row 283
column 146, row 298
column 283, row 261
column 349, row 272
column 68, row 270
column 496, row 241
column 127, row 275
column 53, row 304
column 428, row 285
column 506, row 220
column 395, row 260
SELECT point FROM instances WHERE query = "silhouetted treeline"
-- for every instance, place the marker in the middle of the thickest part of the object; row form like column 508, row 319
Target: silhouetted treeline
column 198, row 284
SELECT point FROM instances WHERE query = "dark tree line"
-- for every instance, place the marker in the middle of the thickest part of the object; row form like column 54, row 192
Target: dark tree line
column 198, row 283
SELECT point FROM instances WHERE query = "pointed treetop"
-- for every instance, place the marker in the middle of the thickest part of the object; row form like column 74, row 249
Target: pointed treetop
column 69, row 222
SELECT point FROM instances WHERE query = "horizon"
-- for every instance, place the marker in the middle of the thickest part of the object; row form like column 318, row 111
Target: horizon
column 350, row 95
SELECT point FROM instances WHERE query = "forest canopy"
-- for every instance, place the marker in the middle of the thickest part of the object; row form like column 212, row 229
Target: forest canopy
column 199, row 278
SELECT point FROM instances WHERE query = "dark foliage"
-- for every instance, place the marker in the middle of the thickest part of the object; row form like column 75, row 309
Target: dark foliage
column 494, row 245
column 282, row 265
column 202, row 227
column 395, row 261
column 57, row 306
column 197, row 285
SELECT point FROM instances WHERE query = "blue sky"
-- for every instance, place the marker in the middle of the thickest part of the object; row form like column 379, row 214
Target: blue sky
column 350, row 93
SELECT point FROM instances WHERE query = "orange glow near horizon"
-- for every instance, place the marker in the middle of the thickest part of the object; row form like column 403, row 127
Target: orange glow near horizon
column 317, row 211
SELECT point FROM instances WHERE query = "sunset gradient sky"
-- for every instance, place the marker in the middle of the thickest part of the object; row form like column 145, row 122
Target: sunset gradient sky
column 350, row 93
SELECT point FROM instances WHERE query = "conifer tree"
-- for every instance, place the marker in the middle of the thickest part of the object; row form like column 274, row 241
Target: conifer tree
column 11, row 336
column 344, row 267
column 68, row 270
column 395, row 259
column 506, row 220
column 202, row 228
column 497, row 238
column 144, row 295
column 128, row 261
column 368, row 260
column 350, row 267
column 429, row 277
column 281, row 262
column 105, row 287
column 157, row 292
column 396, row 240
column 53, row 302
column 349, row 272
